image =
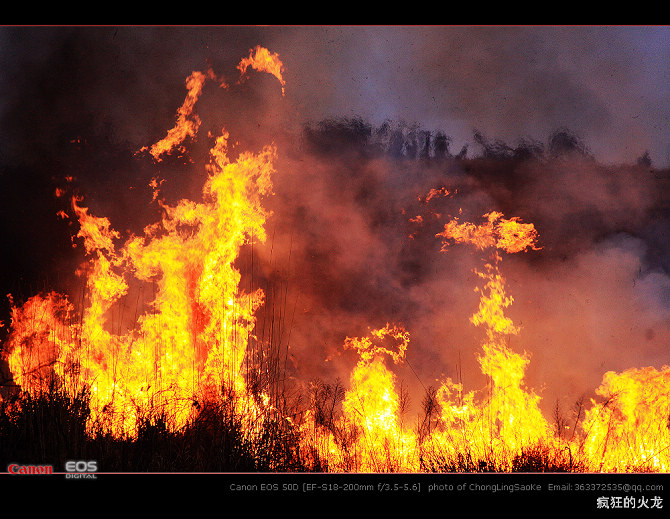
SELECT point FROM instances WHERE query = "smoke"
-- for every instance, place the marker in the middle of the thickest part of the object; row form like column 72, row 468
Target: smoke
column 545, row 124
column 594, row 298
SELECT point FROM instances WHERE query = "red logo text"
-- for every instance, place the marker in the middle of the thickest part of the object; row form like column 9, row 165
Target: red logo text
column 15, row 468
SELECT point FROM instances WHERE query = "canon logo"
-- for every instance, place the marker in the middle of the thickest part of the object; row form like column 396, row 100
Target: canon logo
column 15, row 468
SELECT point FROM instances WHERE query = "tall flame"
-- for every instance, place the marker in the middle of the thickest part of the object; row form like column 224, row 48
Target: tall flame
column 508, row 418
column 370, row 435
column 191, row 344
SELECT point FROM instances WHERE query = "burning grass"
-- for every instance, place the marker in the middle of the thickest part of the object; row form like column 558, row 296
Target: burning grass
column 56, row 426
column 315, row 435
column 194, row 387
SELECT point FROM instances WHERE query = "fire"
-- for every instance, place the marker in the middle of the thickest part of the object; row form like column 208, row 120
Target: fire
column 434, row 193
column 41, row 330
column 369, row 436
column 372, row 404
column 630, row 429
column 509, row 235
column 507, row 417
column 193, row 340
column 187, row 123
column 190, row 344
column 262, row 60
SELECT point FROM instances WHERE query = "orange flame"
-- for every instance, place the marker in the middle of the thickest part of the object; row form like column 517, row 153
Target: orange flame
column 262, row 60
column 507, row 417
column 187, row 123
column 509, row 235
column 434, row 193
column 373, row 439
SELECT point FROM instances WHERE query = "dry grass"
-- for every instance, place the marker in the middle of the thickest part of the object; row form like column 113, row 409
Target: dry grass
column 52, row 428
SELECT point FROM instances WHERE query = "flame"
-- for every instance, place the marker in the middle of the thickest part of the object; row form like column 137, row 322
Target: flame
column 187, row 123
column 190, row 345
column 262, row 60
column 40, row 330
column 630, row 429
column 509, row 235
column 370, row 436
column 372, row 403
column 506, row 418
column 434, row 193
column 192, row 342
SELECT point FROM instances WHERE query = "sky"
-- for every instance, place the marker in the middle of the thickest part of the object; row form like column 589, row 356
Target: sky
column 81, row 101
column 606, row 84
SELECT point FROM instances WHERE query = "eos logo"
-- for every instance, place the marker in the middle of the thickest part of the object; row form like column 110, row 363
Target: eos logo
column 81, row 469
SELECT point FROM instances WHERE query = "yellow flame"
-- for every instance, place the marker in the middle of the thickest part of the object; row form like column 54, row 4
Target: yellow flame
column 630, row 429
column 191, row 344
column 377, row 440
